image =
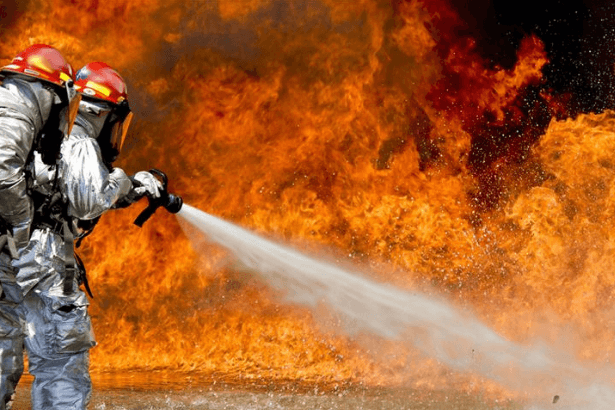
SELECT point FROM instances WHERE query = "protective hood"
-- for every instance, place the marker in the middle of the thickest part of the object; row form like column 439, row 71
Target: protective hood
column 105, row 122
column 92, row 116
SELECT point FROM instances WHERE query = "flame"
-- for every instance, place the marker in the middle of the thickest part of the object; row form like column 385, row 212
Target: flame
column 368, row 129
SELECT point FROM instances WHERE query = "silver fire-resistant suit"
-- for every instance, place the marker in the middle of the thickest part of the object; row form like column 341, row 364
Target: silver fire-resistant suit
column 24, row 109
column 52, row 317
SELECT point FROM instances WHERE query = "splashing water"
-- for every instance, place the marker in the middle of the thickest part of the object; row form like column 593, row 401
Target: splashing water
column 453, row 337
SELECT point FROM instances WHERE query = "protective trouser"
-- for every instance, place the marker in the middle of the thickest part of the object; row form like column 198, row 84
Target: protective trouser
column 11, row 332
column 58, row 336
column 54, row 326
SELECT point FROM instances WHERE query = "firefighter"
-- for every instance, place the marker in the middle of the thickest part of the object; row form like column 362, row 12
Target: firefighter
column 37, row 106
column 69, row 199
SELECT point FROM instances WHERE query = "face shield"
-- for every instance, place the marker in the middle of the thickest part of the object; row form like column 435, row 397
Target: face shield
column 117, row 124
column 64, row 104
column 109, row 124
column 72, row 109
column 119, row 129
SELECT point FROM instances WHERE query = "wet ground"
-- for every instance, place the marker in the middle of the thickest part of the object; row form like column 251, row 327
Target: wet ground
column 128, row 392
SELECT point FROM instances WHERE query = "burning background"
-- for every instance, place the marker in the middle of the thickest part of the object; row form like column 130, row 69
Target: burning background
column 449, row 147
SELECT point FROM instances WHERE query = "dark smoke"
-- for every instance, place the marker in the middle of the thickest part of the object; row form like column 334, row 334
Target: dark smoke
column 579, row 37
column 10, row 12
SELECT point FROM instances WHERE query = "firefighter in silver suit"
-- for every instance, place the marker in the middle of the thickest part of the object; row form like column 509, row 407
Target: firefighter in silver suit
column 69, row 198
column 37, row 106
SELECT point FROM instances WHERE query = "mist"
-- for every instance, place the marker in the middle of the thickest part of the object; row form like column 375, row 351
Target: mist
column 453, row 337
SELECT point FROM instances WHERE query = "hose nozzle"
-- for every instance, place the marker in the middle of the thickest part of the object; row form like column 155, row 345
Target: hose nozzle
column 173, row 204
column 170, row 202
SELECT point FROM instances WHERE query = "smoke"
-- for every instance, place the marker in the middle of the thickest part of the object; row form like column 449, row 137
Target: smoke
column 439, row 330
column 578, row 37
column 10, row 12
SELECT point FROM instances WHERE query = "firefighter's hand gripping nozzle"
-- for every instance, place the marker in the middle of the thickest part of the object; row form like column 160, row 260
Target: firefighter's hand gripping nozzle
column 168, row 201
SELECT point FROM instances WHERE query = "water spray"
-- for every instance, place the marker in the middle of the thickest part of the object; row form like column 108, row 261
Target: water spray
column 166, row 200
column 433, row 325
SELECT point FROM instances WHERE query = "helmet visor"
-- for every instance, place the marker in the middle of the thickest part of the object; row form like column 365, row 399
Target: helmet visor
column 71, row 114
column 73, row 98
column 119, row 131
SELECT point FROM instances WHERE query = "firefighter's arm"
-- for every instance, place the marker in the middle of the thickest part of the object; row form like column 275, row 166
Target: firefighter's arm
column 88, row 185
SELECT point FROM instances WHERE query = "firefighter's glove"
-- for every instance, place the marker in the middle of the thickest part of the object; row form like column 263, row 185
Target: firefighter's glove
column 146, row 184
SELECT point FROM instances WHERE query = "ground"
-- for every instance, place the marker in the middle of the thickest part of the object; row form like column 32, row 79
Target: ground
column 135, row 392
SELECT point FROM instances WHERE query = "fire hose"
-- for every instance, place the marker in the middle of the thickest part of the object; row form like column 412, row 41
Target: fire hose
column 170, row 202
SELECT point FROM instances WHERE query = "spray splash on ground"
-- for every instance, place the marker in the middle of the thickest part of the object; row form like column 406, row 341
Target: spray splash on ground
column 453, row 337
column 125, row 394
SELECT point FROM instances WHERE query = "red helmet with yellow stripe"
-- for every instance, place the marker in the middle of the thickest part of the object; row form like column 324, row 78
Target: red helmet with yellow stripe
column 42, row 62
column 46, row 63
column 98, row 81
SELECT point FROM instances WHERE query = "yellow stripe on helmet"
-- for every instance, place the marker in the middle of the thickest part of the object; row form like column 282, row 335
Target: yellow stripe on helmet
column 99, row 87
column 38, row 62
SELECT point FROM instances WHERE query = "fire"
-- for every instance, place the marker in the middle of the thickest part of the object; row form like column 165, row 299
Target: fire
column 366, row 129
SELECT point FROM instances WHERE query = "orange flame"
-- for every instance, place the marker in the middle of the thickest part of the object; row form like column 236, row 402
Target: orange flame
column 352, row 126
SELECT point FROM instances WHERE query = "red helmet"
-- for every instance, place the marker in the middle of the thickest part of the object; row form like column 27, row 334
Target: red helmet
column 99, row 80
column 43, row 62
